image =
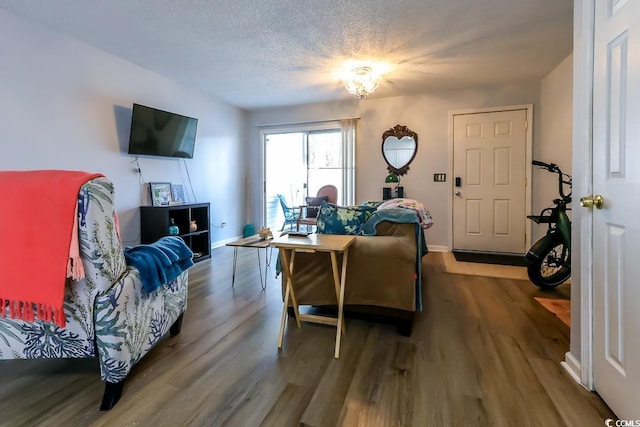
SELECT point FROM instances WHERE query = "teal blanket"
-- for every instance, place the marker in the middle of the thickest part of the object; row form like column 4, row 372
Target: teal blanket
column 405, row 216
column 161, row 262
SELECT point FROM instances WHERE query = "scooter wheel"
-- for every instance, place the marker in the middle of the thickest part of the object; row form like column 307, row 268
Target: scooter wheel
column 549, row 266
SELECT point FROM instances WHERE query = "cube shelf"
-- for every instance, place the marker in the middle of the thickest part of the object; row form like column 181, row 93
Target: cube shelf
column 155, row 221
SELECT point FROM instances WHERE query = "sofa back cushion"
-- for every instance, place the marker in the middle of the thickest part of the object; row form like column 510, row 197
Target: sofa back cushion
column 334, row 219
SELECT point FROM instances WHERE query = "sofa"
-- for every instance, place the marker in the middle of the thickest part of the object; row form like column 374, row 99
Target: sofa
column 107, row 313
column 384, row 266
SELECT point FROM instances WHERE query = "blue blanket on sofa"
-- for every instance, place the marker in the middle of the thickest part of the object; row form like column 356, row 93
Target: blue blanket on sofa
column 161, row 262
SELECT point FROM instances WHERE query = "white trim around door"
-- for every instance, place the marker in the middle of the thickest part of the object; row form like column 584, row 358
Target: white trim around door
column 580, row 365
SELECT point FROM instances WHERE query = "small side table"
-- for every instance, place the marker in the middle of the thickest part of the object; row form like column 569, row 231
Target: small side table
column 258, row 243
column 333, row 244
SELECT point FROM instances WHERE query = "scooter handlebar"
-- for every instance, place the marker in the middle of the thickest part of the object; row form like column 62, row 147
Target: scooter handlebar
column 551, row 167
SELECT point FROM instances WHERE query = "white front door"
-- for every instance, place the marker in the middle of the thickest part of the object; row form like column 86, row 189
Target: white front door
column 489, row 169
column 616, row 227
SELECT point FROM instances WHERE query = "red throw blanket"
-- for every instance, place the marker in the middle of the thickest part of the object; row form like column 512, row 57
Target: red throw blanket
column 37, row 217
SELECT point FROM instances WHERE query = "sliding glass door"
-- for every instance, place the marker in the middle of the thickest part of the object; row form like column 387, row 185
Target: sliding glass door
column 297, row 163
column 285, row 177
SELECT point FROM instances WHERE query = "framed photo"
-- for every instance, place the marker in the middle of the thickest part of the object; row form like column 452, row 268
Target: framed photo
column 177, row 194
column 160, row 193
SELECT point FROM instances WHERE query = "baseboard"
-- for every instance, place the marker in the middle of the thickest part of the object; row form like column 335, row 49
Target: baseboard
column 437, row 248
column 572, row 366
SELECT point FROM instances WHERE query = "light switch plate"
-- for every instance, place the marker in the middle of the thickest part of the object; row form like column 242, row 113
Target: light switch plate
column 439, row 177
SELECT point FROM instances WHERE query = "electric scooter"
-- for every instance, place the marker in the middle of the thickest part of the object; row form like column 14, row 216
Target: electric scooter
column 549, row 259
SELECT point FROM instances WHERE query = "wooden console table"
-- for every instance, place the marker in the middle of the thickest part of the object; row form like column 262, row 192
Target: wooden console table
column 333, row 244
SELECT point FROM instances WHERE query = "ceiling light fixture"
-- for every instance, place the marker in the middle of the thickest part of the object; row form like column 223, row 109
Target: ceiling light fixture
column 362, row 81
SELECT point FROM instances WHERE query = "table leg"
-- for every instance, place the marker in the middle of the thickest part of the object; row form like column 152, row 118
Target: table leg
column 287, row 266
column 284, row 314
column 336, row 279
column 341, row 302
column 235, row 258
column 263, row 281
column 267, row 263
column 269, row 251
column 294, row 301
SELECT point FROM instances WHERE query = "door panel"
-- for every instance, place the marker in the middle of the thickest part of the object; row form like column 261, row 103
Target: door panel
column 502, row 171
column 616, row 228
column 489, row 157
column 474, row 167
column 474, row 217
column 614, row 310
column 502, row 217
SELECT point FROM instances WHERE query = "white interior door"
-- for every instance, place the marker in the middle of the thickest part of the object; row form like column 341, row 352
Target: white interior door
column 489, row 159
column 616, row 227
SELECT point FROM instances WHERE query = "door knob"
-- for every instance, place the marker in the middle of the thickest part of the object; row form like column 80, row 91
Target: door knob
column 457, row 193
column 591, row 201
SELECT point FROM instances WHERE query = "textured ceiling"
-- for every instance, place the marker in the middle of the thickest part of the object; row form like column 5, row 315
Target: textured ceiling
column 262, row 53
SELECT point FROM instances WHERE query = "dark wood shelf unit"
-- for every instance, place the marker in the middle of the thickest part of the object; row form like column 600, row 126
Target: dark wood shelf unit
column 155, row 221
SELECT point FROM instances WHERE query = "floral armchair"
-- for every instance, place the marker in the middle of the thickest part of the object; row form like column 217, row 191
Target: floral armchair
column 108, row 315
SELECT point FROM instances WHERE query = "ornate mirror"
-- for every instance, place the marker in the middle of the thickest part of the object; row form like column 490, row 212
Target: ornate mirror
column 399, row 147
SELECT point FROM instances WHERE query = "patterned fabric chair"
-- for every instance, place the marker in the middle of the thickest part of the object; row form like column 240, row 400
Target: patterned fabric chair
column 108, row 315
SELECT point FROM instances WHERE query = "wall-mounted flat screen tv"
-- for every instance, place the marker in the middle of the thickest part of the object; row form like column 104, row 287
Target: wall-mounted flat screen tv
column 161, row 133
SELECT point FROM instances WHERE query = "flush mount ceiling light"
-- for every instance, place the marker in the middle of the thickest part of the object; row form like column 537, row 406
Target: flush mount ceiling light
column 362, row 81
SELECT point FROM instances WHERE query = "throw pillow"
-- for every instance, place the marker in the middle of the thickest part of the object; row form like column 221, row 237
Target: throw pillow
column 313, row 203
column 333, row 219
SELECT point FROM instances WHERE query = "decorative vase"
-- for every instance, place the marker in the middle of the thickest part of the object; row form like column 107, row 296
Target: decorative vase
column 193, row 226
column 173, row 228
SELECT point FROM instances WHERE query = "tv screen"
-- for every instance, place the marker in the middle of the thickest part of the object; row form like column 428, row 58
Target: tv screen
column 160, row 133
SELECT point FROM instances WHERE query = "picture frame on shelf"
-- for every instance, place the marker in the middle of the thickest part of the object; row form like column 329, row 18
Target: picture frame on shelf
column 160, row 193
column 177, row 194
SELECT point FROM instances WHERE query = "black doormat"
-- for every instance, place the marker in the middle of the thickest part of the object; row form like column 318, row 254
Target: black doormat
column 490, row 258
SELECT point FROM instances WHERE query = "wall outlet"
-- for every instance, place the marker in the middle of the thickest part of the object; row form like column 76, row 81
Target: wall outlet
column 439, row 177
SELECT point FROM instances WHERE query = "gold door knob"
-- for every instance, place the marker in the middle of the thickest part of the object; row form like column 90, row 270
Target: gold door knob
column 591, row 201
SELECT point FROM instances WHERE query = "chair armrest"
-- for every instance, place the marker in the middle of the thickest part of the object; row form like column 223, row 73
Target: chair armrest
column 128, row 321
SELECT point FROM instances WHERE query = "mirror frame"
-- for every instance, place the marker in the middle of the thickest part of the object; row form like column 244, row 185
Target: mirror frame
column 399, row 131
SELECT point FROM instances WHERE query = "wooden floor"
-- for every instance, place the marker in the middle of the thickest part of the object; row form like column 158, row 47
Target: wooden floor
column 482, row 353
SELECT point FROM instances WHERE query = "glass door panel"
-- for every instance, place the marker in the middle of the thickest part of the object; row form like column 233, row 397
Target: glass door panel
column 285, row 177
column 325, row 161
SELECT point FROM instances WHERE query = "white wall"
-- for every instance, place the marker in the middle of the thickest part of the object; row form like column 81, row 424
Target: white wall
column 67, row 105
column 425, row 114
column 556, row 135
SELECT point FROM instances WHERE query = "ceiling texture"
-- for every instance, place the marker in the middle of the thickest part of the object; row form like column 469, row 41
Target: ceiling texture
column 264, row 53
